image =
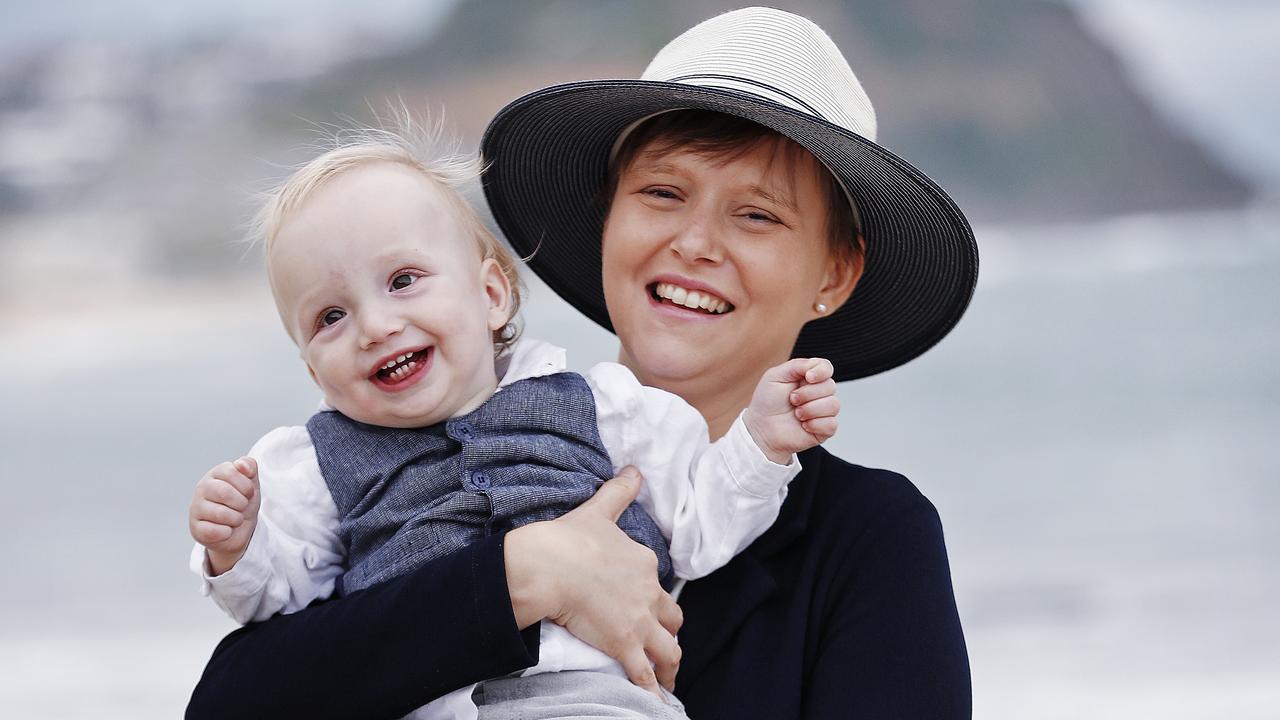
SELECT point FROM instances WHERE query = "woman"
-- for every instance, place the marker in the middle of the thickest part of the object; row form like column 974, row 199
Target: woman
column 771, row 197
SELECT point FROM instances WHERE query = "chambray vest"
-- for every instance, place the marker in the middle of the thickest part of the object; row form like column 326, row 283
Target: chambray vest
column 407, row 496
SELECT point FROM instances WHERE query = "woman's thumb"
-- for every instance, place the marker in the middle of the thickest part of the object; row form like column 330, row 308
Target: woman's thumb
column 615, row 495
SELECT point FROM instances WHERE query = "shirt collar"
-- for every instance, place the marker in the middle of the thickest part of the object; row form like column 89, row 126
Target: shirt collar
column 530, row 358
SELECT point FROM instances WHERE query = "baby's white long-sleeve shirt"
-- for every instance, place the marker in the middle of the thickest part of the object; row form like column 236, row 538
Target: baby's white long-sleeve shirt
column 710, row 500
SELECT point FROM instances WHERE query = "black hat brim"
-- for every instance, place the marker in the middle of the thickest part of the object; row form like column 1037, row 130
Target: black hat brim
column 547, row 157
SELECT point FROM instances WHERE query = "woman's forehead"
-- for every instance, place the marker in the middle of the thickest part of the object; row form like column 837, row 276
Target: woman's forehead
column 773, row 166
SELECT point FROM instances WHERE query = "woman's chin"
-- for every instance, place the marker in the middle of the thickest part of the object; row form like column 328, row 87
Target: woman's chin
column 664, row 365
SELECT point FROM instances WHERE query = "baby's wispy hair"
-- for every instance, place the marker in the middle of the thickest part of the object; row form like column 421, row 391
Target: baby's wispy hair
column 402, row 138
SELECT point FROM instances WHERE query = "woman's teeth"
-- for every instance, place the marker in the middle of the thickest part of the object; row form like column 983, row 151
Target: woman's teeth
column 691, row 298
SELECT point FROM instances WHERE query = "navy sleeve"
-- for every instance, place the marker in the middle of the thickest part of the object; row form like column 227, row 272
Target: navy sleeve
column 893, row 646
column 377, row 653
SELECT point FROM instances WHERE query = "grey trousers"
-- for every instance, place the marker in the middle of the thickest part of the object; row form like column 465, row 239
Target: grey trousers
column 578, row 694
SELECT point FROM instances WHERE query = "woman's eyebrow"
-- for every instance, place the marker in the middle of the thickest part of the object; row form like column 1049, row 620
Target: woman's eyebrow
column 658, row 168
column 784, row 200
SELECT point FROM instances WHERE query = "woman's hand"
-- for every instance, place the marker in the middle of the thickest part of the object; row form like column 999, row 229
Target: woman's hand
column 582, row 572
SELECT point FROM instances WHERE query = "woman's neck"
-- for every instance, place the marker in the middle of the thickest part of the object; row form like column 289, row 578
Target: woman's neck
column 719, row 400
column 720, row 411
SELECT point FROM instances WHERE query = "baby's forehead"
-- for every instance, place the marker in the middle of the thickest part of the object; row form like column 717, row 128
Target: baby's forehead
column 371, row 201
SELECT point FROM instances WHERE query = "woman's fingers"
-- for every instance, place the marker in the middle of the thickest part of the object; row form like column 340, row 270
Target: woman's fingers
column 670, row 616
column 614, row 496
column 606, row 589
column 636, row 663
column 665, row 652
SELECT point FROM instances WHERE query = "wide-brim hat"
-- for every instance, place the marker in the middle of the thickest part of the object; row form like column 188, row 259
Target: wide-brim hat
column 548, row 155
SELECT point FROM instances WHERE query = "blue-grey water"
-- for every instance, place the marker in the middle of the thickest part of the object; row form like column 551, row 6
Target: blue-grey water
column 1098, row 435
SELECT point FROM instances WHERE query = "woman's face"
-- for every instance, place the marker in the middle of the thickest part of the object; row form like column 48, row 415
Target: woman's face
column 743, row 238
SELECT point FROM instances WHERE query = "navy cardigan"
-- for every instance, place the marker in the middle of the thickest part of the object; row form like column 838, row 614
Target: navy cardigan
column 843, row 609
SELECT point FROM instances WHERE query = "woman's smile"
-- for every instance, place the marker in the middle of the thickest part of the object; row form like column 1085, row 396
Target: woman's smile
column 688, row 298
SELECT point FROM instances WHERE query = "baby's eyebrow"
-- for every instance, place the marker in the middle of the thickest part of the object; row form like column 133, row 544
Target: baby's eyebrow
column 397, row 254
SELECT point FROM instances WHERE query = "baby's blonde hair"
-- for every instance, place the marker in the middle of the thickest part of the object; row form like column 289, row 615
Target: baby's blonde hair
column 414, row 144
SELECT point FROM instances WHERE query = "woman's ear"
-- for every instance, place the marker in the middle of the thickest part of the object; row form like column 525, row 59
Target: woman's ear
column 497, row 292
column 844, row 270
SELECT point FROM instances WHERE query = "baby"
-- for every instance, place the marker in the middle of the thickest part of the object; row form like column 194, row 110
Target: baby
column 438, row 427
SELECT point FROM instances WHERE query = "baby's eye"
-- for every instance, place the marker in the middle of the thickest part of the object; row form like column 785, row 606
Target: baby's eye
column 331, row 316
column 403, row 280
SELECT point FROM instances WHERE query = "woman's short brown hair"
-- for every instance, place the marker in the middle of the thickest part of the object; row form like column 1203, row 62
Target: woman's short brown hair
column 729, row 137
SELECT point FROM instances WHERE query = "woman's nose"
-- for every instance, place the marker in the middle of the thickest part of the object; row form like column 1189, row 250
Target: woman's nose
column 700, row 239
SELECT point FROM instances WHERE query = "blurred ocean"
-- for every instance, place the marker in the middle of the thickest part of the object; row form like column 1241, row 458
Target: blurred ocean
column 1097, row 435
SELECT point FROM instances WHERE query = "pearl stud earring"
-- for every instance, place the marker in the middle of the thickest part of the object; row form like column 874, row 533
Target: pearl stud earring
column 822, row 309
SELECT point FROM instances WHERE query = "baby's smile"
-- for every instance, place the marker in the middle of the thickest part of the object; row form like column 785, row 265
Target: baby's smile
column 403, row 369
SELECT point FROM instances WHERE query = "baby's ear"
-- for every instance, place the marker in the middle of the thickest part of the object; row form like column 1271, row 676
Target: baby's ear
column 497, row 292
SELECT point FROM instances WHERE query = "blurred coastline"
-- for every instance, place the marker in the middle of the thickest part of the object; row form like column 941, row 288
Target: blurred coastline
column 1096, row 433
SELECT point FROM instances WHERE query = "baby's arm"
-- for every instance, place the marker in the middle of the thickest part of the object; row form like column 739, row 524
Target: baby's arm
column 710, row 500
column 793, row 408
column 279, row 557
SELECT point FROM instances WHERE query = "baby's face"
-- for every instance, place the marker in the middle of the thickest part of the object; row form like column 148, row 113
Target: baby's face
column 382, row 287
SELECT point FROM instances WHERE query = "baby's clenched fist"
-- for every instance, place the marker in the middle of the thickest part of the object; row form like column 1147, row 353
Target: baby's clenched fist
column 794, row 407
column 224, row 511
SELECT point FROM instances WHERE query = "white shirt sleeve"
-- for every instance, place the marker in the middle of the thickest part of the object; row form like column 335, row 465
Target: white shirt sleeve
column 294, row 556
column 710, row 500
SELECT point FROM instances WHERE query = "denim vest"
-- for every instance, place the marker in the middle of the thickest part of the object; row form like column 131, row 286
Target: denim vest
column 407, row 496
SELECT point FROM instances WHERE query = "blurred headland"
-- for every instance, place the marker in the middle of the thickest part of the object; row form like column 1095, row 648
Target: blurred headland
column 123, row 159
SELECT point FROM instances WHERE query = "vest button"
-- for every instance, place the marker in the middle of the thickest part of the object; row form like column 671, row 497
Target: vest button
column 481, row 480
column 463, row 431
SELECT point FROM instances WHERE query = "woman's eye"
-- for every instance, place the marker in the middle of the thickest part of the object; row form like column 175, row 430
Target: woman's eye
column 402, row 281
column 332, row 316
column 758, row 216
column 662, row 193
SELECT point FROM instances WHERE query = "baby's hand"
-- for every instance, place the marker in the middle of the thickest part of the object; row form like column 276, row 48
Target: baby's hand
column 794, row 408
column 224, row 511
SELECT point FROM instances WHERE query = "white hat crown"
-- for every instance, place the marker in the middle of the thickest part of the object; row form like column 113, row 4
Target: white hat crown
column 772, row 54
